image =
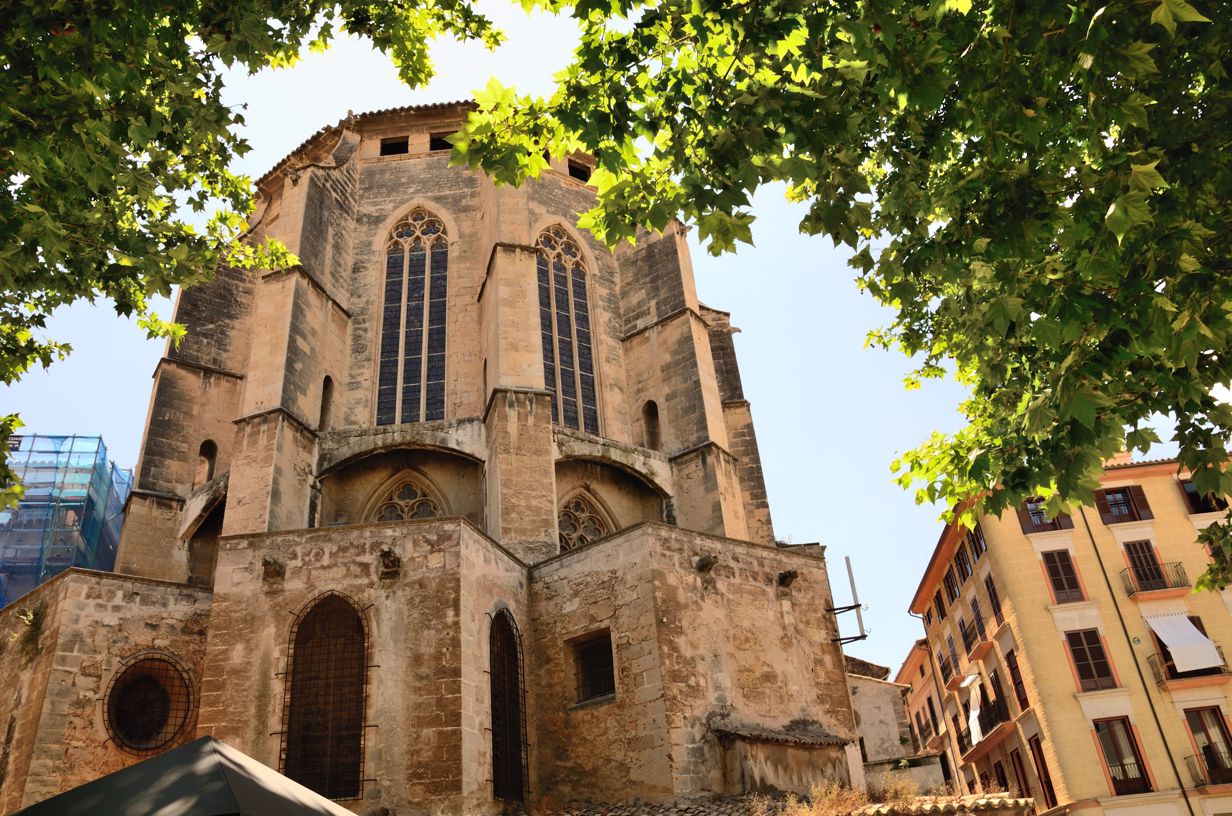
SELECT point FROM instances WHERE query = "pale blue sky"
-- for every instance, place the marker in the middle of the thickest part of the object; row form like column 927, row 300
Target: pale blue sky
column 830, row 414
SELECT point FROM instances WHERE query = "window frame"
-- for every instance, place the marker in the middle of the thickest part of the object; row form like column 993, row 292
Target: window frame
column 1220, row 771
column 1126, row 788
column 559, row 258
column 1086, row 651
column 1197, row 503
column 585, row 693
column 1056, row 572
column 1036, row 747
column 1016, row 681
column 1133, row 500
column 407, row 376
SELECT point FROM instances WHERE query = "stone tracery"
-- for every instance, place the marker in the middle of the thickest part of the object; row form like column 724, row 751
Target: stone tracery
column 580, row 523
column 407, row 501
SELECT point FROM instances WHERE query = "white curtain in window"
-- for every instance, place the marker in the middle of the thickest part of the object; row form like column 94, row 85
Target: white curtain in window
column 1191, row 650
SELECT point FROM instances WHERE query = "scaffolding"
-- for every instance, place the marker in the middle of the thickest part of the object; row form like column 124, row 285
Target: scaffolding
column 70, row 515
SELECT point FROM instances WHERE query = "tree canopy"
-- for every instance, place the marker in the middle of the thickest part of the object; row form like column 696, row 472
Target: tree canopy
column 1039, row 190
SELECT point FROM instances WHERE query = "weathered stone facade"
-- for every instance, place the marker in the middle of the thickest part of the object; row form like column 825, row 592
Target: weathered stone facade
column 665, row 645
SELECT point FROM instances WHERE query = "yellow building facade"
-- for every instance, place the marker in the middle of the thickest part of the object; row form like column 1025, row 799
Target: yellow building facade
column 1074, row 661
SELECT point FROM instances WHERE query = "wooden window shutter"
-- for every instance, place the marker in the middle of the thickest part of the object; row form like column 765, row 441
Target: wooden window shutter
column 1101, row 504
column 1024, row 519
column 1064, row 522
column 1140, row 503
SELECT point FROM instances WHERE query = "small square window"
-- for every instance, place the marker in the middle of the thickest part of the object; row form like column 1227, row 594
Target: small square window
column 579, row 171
column 440, row 141
column 595, row 671
column 395, row 146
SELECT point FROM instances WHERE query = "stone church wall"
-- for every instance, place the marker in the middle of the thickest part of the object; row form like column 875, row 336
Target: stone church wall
column 413, row 745
column 86, row 627
column 599, row 750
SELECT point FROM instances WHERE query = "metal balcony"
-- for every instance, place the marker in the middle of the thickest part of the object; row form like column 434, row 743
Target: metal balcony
column 1212, row 767
column 1128, row 778
column 992, row 715
column 1154, row 578
column 1165, row 673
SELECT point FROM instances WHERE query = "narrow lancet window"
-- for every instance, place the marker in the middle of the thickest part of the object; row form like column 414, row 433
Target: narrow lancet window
column 564, row 323
column 411, row 371
column 508, row 710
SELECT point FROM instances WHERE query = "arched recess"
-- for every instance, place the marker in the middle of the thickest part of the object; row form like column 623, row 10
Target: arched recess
column 651, row 435
column 324, row 698
column 355, row 492
column 325, row 418
column 508, row 709
column 618, row 498
column 207, row 457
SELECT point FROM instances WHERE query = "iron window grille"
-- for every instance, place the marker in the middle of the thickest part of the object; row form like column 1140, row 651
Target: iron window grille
column 149, row 704
column 508, row 688
column 594, row 667
column 324, row 694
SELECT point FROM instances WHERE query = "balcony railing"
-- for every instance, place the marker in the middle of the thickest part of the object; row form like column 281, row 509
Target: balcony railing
column 1128, row 778
column 973, row 633
column 964, row 740
column 1164, row 671
column 992, row 715
column 1212, row 767
column 1148, row 579
column 926, row 730
column 947, row 670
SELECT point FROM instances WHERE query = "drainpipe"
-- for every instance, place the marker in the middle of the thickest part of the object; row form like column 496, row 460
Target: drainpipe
column 1180, row 780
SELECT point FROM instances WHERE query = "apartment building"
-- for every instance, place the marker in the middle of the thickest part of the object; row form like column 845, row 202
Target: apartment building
column 923, row 700
column 1075, row 662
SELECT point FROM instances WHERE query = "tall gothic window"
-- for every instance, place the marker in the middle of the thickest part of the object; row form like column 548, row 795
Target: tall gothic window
column 411, row 376
column 323, row 733
column 564, row 323
column 580, row 523
column 508, row 710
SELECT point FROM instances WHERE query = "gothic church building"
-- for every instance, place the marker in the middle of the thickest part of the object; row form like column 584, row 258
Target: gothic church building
column 463, row 512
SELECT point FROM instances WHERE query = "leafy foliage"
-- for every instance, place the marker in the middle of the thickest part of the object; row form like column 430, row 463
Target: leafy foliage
column 1039, row 190
column 1048, row 183
column 112, row 123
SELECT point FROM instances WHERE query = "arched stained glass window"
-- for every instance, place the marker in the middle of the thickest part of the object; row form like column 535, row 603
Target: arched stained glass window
column 411, row 375
column 508, row 709
column 564, row 322
column 323, row 735
column 580, row 523
column 407, row 501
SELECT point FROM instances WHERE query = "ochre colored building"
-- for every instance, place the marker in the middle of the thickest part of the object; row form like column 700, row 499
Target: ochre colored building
column 465, row 510
column 1075, row 662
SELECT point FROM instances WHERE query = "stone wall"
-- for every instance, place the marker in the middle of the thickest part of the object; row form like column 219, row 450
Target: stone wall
column 413, row 742
column 86, row 627
column 880, row 709
column 599, row 750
